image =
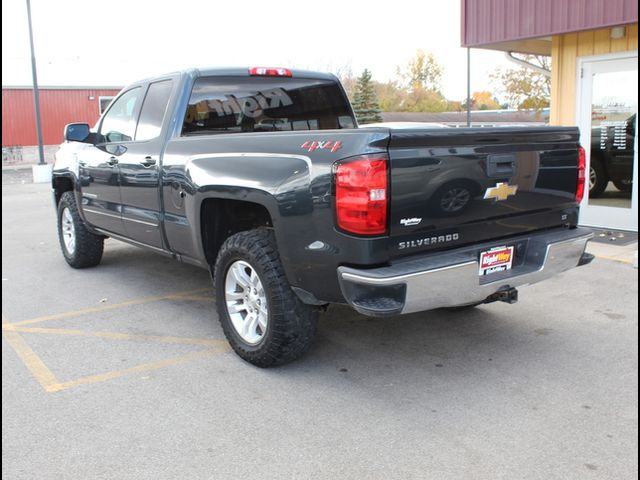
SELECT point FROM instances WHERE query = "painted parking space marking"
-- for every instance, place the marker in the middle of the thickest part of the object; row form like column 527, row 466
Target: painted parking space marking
column 104, row 308
column 144, row 367
column 195, row 298
column 50, row 383
column 615, row 259
column 116, row 336
column 31, row 360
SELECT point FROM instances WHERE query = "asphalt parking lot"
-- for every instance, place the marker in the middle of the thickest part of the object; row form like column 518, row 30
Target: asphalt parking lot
column 122, row 372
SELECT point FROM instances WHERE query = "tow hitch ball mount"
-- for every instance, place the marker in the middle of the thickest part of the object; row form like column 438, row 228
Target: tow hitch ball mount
column 508, row 295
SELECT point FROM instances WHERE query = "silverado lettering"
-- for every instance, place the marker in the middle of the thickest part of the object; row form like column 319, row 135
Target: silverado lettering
column 284, row 234
column 428, row 241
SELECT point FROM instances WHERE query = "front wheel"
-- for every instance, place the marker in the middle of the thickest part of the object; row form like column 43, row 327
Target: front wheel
column 80, row 247
column 265, row 323
column 598, row 178
column 623, row 186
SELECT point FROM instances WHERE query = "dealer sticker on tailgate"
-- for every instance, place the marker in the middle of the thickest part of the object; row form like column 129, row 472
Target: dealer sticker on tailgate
column 497, row 259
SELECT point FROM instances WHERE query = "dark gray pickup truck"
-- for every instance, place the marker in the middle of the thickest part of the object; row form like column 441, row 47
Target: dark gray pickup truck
column 263, row 177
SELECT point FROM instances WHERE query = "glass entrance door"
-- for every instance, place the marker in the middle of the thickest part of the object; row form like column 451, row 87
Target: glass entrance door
column 607, row 118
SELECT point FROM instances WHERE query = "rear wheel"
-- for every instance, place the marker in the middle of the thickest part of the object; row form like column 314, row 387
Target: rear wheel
column 451, row 199
column 80, row 247
column 598, row 178
column 264, row 321
column 622, row 186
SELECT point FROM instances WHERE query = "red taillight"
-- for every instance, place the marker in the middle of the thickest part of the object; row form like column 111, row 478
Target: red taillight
column 582, row 170
column 270, row 71
column 361, row 195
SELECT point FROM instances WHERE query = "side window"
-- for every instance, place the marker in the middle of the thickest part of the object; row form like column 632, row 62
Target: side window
column 119, row 124
column 153, row 110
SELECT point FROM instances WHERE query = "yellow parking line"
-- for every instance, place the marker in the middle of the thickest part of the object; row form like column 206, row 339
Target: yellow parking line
column 31, row 360
column 49, row 382
column 196, row 298
column 105, row 308
column 145, row 367
column 615, row 259
column 117, row 336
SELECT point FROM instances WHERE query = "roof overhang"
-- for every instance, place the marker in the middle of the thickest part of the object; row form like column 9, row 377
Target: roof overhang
column 533, row 46
column 526, row 25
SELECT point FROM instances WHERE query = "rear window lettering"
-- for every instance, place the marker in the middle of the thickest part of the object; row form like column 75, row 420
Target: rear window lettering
column 250, row 104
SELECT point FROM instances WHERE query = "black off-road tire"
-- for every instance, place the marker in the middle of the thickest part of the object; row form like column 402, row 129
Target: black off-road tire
column 88, row 246
column 291, row 324
column 601, row 178
column 623, row 187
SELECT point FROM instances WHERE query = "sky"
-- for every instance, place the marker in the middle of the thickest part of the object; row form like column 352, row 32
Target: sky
column 115, row 42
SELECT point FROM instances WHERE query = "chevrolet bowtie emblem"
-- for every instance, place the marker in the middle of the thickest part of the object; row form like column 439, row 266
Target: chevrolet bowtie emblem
column 501, row 191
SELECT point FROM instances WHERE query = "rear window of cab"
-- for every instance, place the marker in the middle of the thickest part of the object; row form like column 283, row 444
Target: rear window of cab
column 265, row 104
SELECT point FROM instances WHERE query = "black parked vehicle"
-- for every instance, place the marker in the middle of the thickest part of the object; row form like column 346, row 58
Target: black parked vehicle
column 261, row 176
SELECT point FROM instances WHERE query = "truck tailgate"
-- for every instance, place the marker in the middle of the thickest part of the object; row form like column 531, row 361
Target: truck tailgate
column 451, row 187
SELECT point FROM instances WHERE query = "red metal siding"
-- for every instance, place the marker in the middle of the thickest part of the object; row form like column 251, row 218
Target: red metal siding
column 492, row 21
column 58, row 107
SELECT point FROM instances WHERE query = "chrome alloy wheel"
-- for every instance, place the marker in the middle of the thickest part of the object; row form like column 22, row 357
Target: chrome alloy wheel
column 593, row 177
column 454, row 200
column 68, row 231
column 246, row 302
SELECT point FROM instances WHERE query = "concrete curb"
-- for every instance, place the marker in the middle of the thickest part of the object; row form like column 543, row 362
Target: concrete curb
column 19, row 166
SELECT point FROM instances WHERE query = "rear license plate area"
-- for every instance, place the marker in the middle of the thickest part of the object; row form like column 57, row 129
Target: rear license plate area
column 497, row 259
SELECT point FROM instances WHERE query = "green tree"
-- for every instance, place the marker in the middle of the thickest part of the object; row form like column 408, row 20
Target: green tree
column 347, row 79
column 422, row 72
column 485, row 100
column 420, row 83
column 390, row 96
column 424, row 100
column 365, row 101
column 526, row 88
column 469, row 105
column 454, row 106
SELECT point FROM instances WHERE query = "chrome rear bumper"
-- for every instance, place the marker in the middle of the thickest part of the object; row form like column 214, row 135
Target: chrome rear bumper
column 451, row 278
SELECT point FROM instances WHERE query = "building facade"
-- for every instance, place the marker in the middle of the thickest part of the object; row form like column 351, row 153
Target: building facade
column 58, row 105
column 593, row 45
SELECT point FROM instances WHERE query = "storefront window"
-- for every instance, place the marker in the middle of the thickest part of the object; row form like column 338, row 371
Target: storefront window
column 614, row 104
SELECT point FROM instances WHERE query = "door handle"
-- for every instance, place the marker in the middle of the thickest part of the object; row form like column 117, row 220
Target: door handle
column 112, row 161
column 501, row 166
column 148, row 162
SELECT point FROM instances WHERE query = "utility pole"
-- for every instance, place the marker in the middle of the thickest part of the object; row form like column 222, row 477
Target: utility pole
column 468, row 87
column 36, row 92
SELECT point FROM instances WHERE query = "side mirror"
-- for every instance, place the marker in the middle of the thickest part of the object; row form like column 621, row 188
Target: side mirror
column 76, row 132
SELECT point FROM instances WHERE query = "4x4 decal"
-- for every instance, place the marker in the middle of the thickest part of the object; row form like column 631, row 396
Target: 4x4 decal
column 332, row 145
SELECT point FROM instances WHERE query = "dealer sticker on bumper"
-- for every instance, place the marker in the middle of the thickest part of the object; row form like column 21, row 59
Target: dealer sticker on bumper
column 497, row 259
